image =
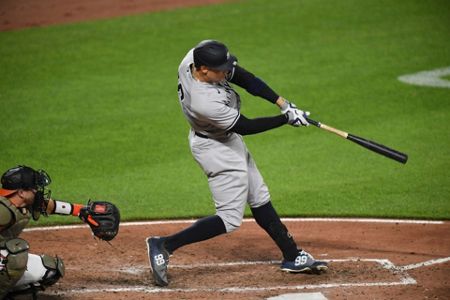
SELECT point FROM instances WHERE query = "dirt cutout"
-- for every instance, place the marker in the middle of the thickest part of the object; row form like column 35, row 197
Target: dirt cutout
column 367, row 260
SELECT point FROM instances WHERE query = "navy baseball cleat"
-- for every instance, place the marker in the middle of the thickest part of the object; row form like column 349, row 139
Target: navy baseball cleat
column 159, row 259
column 304, row 263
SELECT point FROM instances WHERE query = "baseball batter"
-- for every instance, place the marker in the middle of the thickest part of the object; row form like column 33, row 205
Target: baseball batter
column 212, row 108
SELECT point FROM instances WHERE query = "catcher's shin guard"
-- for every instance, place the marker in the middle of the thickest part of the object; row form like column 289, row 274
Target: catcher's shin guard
column 55, row 270
column 42, row 272
column 159, row 259
column 13, row 263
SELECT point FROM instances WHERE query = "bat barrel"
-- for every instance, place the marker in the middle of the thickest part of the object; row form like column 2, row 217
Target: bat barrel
column 380, row 149
column 375, row 147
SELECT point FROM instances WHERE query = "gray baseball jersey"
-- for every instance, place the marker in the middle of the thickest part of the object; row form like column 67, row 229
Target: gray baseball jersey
column 212, row 110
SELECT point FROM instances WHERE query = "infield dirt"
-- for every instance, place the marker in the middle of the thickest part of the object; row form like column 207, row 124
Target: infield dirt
column 244, row 264
column 18, row 14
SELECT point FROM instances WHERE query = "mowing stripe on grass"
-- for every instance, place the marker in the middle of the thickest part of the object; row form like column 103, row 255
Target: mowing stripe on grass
column 428, row 78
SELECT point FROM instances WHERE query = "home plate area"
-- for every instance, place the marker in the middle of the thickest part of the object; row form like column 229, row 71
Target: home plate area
column 374, row 259
column 241, row 277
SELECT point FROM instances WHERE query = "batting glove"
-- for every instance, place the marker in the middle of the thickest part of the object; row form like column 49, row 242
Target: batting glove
column 295, row 116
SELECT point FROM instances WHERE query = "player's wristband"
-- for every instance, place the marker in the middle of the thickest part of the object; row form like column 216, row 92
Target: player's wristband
column 64, row 208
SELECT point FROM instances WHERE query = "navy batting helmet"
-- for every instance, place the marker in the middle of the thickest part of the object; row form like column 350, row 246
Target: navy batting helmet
column 214, row 55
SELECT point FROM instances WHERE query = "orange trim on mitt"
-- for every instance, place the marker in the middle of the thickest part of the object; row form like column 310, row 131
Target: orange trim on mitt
column 91, row 220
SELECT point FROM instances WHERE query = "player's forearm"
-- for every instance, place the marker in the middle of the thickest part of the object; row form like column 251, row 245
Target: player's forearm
column 63, row 208
column 280, row 102
column 253, row 84
column 246, row 126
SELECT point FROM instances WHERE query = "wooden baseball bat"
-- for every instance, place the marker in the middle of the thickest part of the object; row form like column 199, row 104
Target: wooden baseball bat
column 375, row 147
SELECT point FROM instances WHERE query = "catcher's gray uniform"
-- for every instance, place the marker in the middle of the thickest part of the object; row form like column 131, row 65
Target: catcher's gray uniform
column 211, row 110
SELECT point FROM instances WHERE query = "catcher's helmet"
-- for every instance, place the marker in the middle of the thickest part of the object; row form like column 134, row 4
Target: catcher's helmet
column 214, row 55
column 23, row 177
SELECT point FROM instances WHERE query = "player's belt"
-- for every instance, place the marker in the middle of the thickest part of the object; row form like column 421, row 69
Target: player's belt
column 201, row 135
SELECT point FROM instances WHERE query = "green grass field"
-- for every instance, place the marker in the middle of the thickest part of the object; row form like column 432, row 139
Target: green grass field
column 95, row 104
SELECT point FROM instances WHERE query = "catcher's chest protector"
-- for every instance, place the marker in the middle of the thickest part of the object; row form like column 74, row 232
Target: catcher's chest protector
column 21, row 219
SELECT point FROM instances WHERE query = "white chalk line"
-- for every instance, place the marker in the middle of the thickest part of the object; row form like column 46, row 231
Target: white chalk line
column 141, row 269
column 146, row 289
column 424, row 264
column 404, row 279
column 387, row 264
column 168, row 222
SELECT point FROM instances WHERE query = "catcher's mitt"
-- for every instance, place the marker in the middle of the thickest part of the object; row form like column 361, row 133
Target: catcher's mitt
column 103, row 217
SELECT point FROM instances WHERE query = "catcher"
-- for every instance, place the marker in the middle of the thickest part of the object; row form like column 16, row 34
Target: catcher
column 24, row 195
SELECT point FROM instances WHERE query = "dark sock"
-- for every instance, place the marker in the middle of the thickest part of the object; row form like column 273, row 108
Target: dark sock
column 268, row 219
column 201, row 230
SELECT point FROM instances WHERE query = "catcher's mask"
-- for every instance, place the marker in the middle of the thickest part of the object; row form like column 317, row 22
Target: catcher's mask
column 26, row 178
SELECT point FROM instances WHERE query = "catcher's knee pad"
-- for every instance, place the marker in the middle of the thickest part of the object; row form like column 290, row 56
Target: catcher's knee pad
column 13, row 262
column 14, row 257
column 55, row 270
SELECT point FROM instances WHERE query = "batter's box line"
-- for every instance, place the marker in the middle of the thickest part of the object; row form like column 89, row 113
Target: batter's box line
column 146, row 289
column 387, row 264
column 405, row 279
